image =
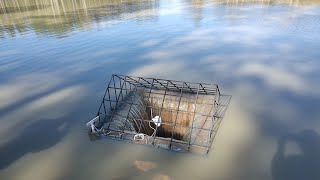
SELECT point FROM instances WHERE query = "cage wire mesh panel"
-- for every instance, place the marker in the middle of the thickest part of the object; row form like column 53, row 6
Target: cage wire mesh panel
column 169, row 114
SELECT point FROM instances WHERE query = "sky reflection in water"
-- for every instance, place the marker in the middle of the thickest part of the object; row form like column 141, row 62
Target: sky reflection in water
column 55, row 60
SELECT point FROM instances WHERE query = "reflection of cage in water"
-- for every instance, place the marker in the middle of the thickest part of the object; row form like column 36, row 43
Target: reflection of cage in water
column 165, row 113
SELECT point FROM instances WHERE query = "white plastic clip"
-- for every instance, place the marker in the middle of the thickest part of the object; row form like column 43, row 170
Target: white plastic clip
column 138, row 137
column 90, row 124
column 157, row 120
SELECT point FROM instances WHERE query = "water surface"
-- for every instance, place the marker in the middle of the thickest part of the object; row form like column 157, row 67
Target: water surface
column 57, row 56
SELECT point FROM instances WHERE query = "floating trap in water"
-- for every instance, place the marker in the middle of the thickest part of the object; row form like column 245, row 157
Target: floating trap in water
column 164, row 113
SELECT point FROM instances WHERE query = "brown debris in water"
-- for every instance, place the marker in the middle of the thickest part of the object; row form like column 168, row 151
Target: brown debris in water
column 161, row 177
column 144, row 166
column 117, row 178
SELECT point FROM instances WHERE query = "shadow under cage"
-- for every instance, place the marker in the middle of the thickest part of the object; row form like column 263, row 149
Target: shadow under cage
column 169, row 114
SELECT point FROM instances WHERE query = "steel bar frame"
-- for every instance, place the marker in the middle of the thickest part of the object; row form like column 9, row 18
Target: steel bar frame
column 120, row 86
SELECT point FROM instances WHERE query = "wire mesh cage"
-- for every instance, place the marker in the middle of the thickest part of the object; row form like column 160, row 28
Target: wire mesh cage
column 168, row 114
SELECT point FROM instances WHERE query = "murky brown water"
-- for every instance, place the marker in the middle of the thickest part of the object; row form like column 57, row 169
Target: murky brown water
column 57, row 56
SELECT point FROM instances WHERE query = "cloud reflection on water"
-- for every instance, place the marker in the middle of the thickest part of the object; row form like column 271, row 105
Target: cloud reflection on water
column 269, row 70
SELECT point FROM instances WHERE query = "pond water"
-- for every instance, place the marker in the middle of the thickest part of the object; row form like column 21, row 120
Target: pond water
column 56, row 58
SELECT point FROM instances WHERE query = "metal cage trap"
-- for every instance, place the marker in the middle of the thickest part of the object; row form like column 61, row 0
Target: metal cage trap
column 168, row 114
